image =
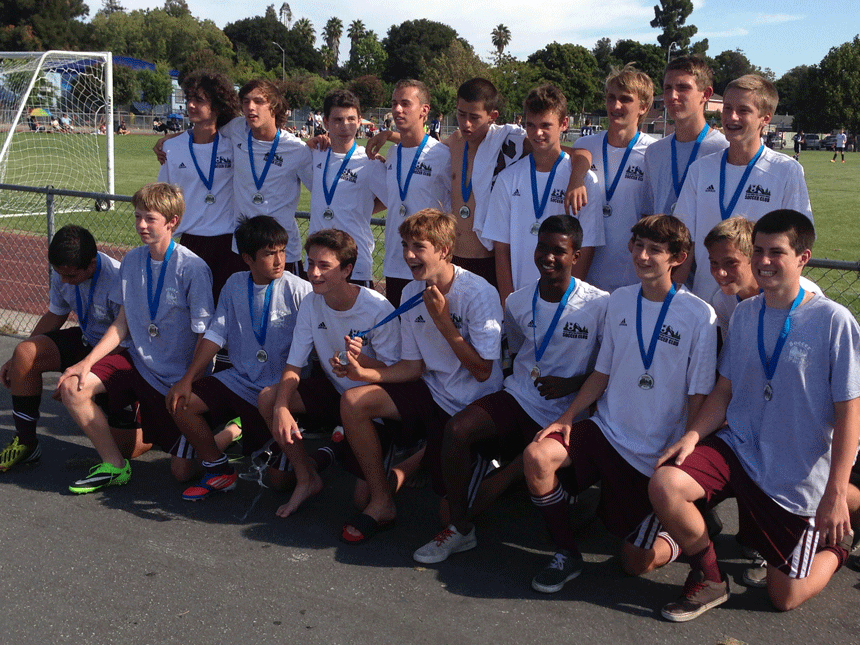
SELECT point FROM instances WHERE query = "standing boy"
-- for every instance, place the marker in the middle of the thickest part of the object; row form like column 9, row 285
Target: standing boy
column 618, row 160
column 786, row 418
column 82, row 279
column 841, row 139
column 166, row 297
column 656, row 365
column 554, row 328
column 451, row 341
column 746, row 179
column 534, row 189
column 255, row 318
column 688, row 83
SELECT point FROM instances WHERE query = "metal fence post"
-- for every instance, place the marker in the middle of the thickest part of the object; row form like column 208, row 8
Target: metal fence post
column 51, row 223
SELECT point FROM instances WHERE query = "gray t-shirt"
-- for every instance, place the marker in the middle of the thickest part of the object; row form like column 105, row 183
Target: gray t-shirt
column 784, row 444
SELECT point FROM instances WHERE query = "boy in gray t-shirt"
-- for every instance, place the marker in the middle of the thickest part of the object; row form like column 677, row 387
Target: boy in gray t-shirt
column 789, row 390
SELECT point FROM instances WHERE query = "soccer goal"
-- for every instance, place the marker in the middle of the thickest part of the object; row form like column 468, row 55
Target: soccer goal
column 56, row 125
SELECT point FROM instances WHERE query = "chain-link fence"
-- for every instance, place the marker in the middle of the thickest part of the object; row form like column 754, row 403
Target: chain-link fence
column 24, row 270
column 25, row 274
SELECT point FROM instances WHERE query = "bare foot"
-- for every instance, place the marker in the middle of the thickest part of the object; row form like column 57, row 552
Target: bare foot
column 303, row 491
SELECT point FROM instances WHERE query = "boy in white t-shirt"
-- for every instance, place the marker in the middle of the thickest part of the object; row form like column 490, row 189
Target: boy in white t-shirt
column 82, row 280
column 327, row 321
column 451, row 342
column 533, row 189
column 746, row 179
column 656, row 364
column 255, row 318
column 554, row 328
column 785, row 419
column 166, row 296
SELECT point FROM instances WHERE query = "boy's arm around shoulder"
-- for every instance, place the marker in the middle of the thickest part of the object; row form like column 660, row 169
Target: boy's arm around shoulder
column 577, row 195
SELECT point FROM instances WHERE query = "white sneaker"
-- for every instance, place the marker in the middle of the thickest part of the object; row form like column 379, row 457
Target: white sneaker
column 445, row 543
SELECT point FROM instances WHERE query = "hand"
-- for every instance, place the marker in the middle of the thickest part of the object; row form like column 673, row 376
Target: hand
column 79, row 370
column 375, row 143
column 285, row 430
column 832, row 518
column 178, row 396
column 437, row 304
column 158, row 149
column 4, row 373
column 680, row 450
column 319, row 142
column 556, row 427
column 352, row 370
column 575, row 200
column 554, row 387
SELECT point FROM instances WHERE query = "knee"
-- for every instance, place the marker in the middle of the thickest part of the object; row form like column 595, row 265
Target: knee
column 660, row 488
column 266, row 401
column 71, row 396
column 23, row 359
column 458, row 431
column 537, row 461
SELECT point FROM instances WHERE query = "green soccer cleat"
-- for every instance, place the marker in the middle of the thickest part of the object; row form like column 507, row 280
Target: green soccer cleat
column 102, row 476
column 18, row 453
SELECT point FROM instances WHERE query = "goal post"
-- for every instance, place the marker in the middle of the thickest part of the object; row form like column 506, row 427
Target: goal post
column 56, row 124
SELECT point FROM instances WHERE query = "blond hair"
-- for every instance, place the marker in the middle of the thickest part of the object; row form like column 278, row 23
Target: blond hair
column 431, row 225
column 162, row 198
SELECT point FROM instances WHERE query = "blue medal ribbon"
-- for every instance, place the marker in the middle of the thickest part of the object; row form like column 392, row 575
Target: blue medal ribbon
column 211, row 180
column 465, row 191
column 154, row 300
column 413, row 302
column 725, row 212
column 539, row 351
column 329, row 192
column 678, row 183
column 404, row 189
column 264, row 315
column 770, row 365
column 84, row 316
column 610, row 190
column 647, row 358
column 258, row 182
column 540, row 206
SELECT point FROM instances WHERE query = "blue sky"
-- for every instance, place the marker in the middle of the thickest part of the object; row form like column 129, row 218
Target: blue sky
column 796, row 32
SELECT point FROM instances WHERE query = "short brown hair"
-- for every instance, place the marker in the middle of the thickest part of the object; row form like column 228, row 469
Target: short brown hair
column 431, row 225
column 630, row 79
column 340, row 99
column 764, row 92
column 162, row 198
column 337, row 241
column 546, row 98
column 796, row 226
column 664, row 229
column 696, row 66
column 737, row 230
column 480, row 89
column 274, row 93
column 423, row 92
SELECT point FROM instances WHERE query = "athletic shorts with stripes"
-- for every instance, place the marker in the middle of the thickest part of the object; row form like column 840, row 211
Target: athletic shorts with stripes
column 224, row 404
column 785, row 540
column 124, row 384
column 624, row 506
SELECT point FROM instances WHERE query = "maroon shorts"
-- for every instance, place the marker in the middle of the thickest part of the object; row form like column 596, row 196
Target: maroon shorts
column 217, row 252
column 394, row 289
column 321, row 401
column 785, row 540
column 224, row 404
column 70, row 344
column 515, row 429
column 124, row 384
column 624, row 502
column 484, row 267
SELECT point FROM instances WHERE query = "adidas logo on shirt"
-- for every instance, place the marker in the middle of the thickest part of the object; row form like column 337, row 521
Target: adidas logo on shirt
column 319, row 165
column 623, row 322
column 322, row 325
column 710, row 189
column 516, row 193
column 182, row 165
column 593, row 168
column 419, row 319
column 531, row 323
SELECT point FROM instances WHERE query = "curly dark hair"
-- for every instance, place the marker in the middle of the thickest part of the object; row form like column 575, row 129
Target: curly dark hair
column 218, row 89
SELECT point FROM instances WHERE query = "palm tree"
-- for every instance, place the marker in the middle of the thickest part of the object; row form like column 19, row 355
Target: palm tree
column 501, row 38
column 356, row 31
column 331, row 35
column 286, row 15
column 306, row 30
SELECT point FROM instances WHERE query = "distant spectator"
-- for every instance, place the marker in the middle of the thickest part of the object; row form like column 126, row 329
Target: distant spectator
column 122, row 129
column 799, row 139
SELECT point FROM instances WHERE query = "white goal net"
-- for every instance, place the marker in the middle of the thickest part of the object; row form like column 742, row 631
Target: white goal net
column 56, row 125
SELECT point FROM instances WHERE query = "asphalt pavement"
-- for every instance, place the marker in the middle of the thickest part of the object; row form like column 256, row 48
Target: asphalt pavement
column 137, row 564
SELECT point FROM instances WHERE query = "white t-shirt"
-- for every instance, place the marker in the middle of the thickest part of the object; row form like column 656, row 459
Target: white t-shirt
column 776, row 181
column 201, row 218
column 512, row 213
column 352, row 202
column 290, row 168
column 477, row 314
column 320, row 326
column 232, row 326
column 184, row 311
column 640, row 424
column 102, row 309
column 784, row 444
column 725, row 305
column 571, row 352
column 430, row 187
column 611, row 267
column 658, row 167
column 501, row 147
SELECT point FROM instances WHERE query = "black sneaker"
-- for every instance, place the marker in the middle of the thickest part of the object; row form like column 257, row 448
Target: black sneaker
column 562, row 568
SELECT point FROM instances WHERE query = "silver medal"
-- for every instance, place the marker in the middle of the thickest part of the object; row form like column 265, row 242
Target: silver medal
column 465, row 212
column 258, row 198
column 343, row 357
column 84, row 341
column 535, row 373
column 535, row 228
column 646, row 381
column 672, row 208
column 153, row 330
column 262, row 356
column 328, row 213
column 210, row 198
column 403, row 210
column 768, row 392
column 607, row 210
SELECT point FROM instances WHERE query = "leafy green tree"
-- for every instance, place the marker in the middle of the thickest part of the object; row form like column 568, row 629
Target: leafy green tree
column 366, row 57
column 155, row 85
column 573, row 69
column 647, row 58
column 501, row 38
column 286, row 15
column 453, row 66
column 443, row 98
column 126, row 86
column 728, row 66
column 513, row 79
column 305, row 29
column 355, row 32
column 411, row 46
column 111, row 6
column 603, row 53
column 671, row 16
column 839, row 85
column 789, row 86
column 256, row 35
column 331, row 34
column 370, row 91
column 31, row 25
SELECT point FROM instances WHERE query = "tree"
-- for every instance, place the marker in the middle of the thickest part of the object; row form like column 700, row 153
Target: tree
column 573, row 69
column 256, row 35
column 670, row 16
column 452, row 67
column 443, row 98
column 29, row 25
column 177, row 8
column 155, row 85
column 370, row 91
column 328, row 58
column 728, row 66
column 111, row 6
column 305, row 29
column 513, row 79
column 331, row 34
column 839, row 78
column 366, row 57
column 208, row 60
column 411, row 46
column 647, row 58
column 286, row 15
column 126, row 86
column 501, row 37
column 789, row 86
column 602, row 52
column 355, row 32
